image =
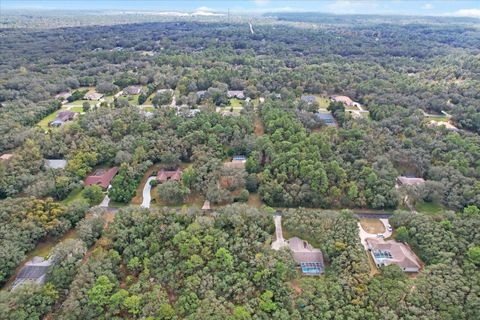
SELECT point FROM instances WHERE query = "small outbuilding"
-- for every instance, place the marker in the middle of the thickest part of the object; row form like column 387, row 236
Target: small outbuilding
column 206, row 205
column 326, row 118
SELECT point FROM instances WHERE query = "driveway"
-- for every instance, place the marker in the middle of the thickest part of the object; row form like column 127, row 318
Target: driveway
column 364, row 234
column 147, row 197
column 106, row 200
column 279, row 242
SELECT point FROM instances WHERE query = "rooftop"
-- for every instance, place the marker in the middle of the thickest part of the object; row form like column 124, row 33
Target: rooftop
column 164, row 175
column 55, row 163
column 393, row 252
column 303, row 252
column 102, row 180
column 410, row 181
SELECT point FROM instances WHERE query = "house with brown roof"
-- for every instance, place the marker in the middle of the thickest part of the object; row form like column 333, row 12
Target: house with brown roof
column 94, row 96
column 166, row 175
column 306, row 256
column 385, row 253
column 62, row 117
column 409, row 181
column 102, row 178
column 238, row 162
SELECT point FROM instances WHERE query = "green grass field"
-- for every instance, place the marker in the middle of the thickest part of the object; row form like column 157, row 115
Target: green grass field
column 45, row 121
column 234, row 102
column 79, row 103
column 322, row 102
column 430, row 208
column 76, row 194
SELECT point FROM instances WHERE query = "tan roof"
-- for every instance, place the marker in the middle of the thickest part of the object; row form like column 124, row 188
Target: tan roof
column 410, row 181
column 448, row 125
column 303, row 252
column 93, row 96
column 343, row 99
column 6, row 156
column 401, row 254
column 235, row 164
column 206, row 205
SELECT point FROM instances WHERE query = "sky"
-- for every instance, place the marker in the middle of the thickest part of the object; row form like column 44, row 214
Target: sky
column 402, row 7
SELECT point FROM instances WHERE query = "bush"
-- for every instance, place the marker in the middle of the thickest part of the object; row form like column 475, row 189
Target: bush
column 94, row 194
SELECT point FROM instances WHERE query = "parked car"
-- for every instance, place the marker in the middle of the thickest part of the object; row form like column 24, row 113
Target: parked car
column 389, row 228
column 380, row 236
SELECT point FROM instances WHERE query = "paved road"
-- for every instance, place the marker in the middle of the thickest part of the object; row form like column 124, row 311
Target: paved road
column 364, row 234
column 279, row 242
column 147, row 198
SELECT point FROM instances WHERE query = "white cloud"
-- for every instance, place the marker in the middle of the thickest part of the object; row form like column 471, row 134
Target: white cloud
column 204, row 9
column 427, row 6
column 472, row 13
column 261, row 2
column 352, row 7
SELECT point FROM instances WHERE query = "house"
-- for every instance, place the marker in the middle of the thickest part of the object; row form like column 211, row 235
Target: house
column 326, row 118
column 173, row 175
column 307, row 257
column 385, row 253
column 102, row 178
column 62, row 117
column 63, row 95
column 447, row 125
column 308, row 99
column 206, row 205
column 408, row 181
column 94, row 96
column 131, row 90
column 55, row 163
column 345, row 100
column 162, row 91
column 235, row 94
column 238, row 162
column 6, row 156
column 34, row 270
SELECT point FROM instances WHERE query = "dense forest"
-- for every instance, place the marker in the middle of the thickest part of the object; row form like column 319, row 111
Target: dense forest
column 175, row 261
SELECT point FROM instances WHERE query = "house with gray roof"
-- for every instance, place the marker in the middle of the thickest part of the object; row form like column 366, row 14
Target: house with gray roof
column 34, row 270
column 235, row 94
column 306, row 256
column 55, row 163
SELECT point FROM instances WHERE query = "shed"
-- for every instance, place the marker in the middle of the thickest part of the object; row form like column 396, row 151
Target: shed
column 55, row 163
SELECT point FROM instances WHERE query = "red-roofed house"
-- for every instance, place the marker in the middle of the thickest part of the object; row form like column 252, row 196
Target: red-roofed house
column 164, row 175
column 103, row 179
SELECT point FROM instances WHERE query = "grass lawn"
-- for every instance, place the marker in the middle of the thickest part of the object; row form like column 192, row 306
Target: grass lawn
column 234, row 102
column 148, row 109
column 439, row 118
column 322, row 102
column 372, row 225
column 79, row 103
column 430, row 208
column 45, row 121
column 76, row 109
column 76, row 194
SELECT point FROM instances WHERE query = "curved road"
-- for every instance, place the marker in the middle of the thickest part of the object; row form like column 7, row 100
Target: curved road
column 147, row 198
